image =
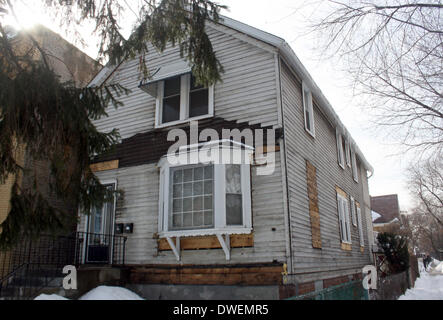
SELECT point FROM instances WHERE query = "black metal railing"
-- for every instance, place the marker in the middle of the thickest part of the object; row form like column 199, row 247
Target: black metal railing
column 97, row 248
column 35, row 264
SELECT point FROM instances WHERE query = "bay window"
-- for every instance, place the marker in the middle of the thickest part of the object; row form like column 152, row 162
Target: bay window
column 204, row 199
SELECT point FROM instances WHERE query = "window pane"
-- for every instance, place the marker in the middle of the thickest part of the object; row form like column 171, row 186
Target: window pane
column 171, row 109
column 190, row 208
column 198, row 103
column 172, row 87
column 233, row 179
column 234, row 212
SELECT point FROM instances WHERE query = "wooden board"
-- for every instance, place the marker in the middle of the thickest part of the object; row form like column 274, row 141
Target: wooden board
column 311, row 178
column 215, row 275
column 104, row 166
column 208, row 242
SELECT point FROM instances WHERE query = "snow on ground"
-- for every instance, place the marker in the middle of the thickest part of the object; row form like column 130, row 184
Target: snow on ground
column 50, row 297
column 99, row 293
column 429, row 286
column 110, row 293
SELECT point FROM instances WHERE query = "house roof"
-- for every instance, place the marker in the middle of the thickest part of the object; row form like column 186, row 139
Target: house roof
column 387, row 206
column 294, row 62
column 290, row 56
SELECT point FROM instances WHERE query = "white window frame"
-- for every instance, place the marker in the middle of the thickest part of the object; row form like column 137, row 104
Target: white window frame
column 185, row 86
column 220, row 227
column 308, row 106
column 360, row 227
column 348, row 153
column 354, row 166
column 340, row 151
column 353, row 204
column 343, row 217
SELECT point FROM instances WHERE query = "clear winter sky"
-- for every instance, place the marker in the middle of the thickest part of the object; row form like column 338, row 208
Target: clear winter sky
column 289, row 20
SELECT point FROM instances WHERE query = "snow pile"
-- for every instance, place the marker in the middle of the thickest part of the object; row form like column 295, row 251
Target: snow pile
column 99, row 293
column 110, row 293
column 50, row 297
column 427, row 287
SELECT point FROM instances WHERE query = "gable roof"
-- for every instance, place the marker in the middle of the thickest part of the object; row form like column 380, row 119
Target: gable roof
column 289, row 55
column 294, row 62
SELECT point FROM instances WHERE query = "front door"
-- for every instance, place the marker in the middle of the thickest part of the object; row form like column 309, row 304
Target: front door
column 100, row 233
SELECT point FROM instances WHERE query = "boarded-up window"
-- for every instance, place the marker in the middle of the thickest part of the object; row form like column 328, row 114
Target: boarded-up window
column 311, row 178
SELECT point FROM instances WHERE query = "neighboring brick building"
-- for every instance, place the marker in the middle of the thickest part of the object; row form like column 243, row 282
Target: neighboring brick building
column 71, row 64
column 388, row 208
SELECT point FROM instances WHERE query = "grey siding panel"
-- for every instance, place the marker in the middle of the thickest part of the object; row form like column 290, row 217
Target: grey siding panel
column 247, row 92
column 321, row 151
column 139, row 205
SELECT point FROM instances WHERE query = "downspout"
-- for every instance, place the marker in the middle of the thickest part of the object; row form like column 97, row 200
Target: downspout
column 290, row 269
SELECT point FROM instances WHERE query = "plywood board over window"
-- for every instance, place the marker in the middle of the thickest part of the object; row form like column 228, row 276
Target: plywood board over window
column 314, row 213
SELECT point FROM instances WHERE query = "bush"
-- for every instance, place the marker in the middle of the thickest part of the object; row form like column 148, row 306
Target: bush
column 395, row 248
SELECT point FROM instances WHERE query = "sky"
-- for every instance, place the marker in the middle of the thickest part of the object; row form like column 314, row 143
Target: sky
column 290, row 20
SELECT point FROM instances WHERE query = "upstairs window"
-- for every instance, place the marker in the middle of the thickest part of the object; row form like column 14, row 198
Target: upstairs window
column 340, row 150
column 180, row 99
column 348, row 152
column 354, row 166
column 308, row 110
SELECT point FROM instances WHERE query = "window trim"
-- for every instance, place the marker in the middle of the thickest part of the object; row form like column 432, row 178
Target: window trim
column 340, row 151
column 354, row 166
column 343, row 217
column 360, row 225
column 185, row 87
column 220, row 227
column 353, row 211
column 348, row 153
column 310, row 106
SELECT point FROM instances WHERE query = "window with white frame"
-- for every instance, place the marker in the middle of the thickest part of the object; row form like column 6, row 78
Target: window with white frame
column 308, row 110
column 360, row 226
column 203, row 199
column 343, row 216
column 348, row 152
column 340, row 149
column 354, row 166
column 179, row 99
column 354, row 220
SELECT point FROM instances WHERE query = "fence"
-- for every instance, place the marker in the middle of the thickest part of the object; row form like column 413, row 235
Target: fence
column 348, row 291
column 34, row 263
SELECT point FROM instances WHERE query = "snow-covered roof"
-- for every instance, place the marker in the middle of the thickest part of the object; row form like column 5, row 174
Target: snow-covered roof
column 375, row 215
